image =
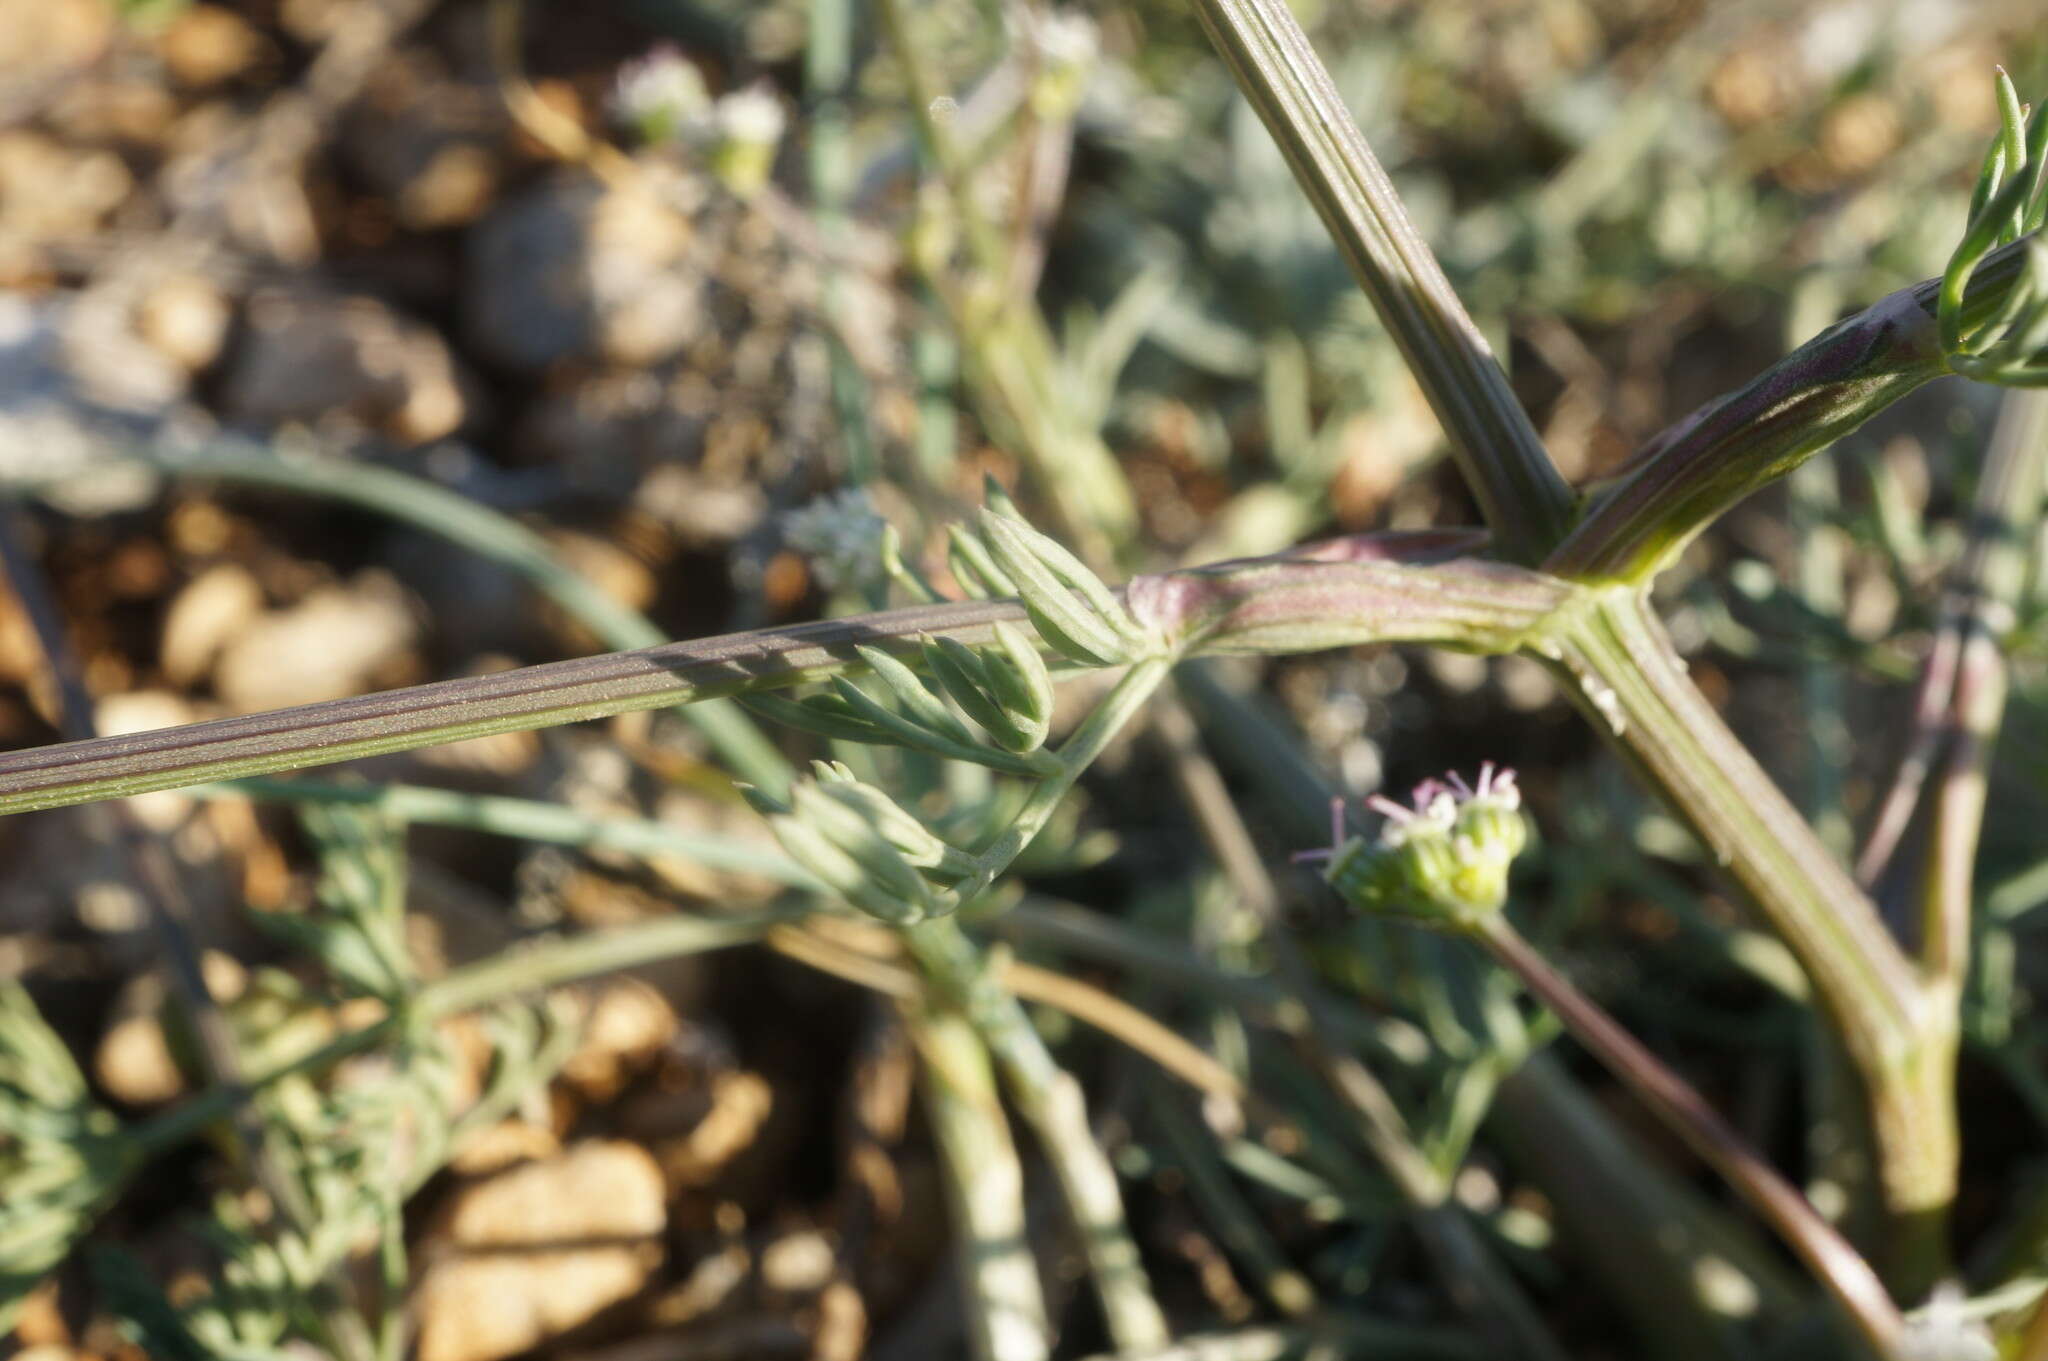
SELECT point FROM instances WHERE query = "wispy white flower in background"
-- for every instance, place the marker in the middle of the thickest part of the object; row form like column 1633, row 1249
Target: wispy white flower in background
column 841, row 534
column 660, row 96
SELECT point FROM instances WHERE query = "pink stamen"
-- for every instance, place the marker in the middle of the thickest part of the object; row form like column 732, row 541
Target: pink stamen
column 1380, row 803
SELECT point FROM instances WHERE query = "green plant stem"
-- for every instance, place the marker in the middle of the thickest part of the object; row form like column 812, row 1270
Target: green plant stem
column 1470, row 1270
column 1524, row 499
column 1686, row 477
column 520, row 970
column 1262, row 754
column 1075, row 756
column 828, row 67
column 529, row 820
column 491, row 536
column 1364, row 590
column 1006, row 349
column 1984, row 601
column 1048, row 1097
column 985, row 1186
column 1901, row 1039
column 1050, row 1101
column 1849, row 1279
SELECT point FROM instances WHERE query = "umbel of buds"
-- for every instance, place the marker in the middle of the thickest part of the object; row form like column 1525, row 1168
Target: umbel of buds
column 1441, row 860
column 864, row 846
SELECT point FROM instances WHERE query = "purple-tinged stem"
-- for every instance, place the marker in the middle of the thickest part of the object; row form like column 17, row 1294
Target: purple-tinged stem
column 1394, row 588
column 1848, row 1279
column 1983, row 598
column 1687, row 477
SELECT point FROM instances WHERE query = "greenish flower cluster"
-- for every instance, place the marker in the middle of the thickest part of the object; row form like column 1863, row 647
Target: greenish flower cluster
column 1443, row 860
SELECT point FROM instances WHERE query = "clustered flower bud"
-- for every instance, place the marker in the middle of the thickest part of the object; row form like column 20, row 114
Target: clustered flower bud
column 1443, row 859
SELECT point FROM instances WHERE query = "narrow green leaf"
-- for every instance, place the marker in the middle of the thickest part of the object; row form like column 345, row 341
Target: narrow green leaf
column 920, row 704
column 1026, row 689
column 846, row 827
column 816, row 715
column 761, row 801
column 1981, row 238
column 920, row 845
column 1076, row 574
column 2036, row 215
column 2012, row 122
column 902, row 573
column 996, row 497
column 1063, row 621
column 974, row 569
column 807, row 846
column 840, row 871
column 899, row 731
column 1988, row 179
column 956, row 666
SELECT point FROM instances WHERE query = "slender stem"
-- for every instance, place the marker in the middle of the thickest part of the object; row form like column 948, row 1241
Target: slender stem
column 1901, row 1038
column 1008, row 350
column 1048, row 1096
column 1386, row 588
column 1623, row 665
column 828, row 68
column 1095, row 733
column 985, row 1185
column 470, row 706
column 1050, row 1100
column 1686, row 477
column 494, row 537
column 1519, row 490
column 528, row 820
column 1985, row 599
column 550, row 964
column 1848, row 1278
column 1930, row 707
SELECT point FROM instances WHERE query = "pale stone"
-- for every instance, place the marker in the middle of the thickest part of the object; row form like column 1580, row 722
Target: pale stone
column 328, row 646
column 210, row 612
column 504, row 1287
column 629, row 1022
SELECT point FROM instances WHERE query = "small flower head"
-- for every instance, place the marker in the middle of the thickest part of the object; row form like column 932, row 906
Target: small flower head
column 841, row 534
column 659, row 96
column 747, row 125
column 1442, row 858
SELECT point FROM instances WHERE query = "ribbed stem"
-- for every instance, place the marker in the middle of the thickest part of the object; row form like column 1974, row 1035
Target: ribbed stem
column 1847, row 1277
column 1523, row 497
column 1901, row 1037
column 1393, row 588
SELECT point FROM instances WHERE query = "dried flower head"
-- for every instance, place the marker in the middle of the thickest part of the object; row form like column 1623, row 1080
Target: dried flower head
column 1442, row 858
